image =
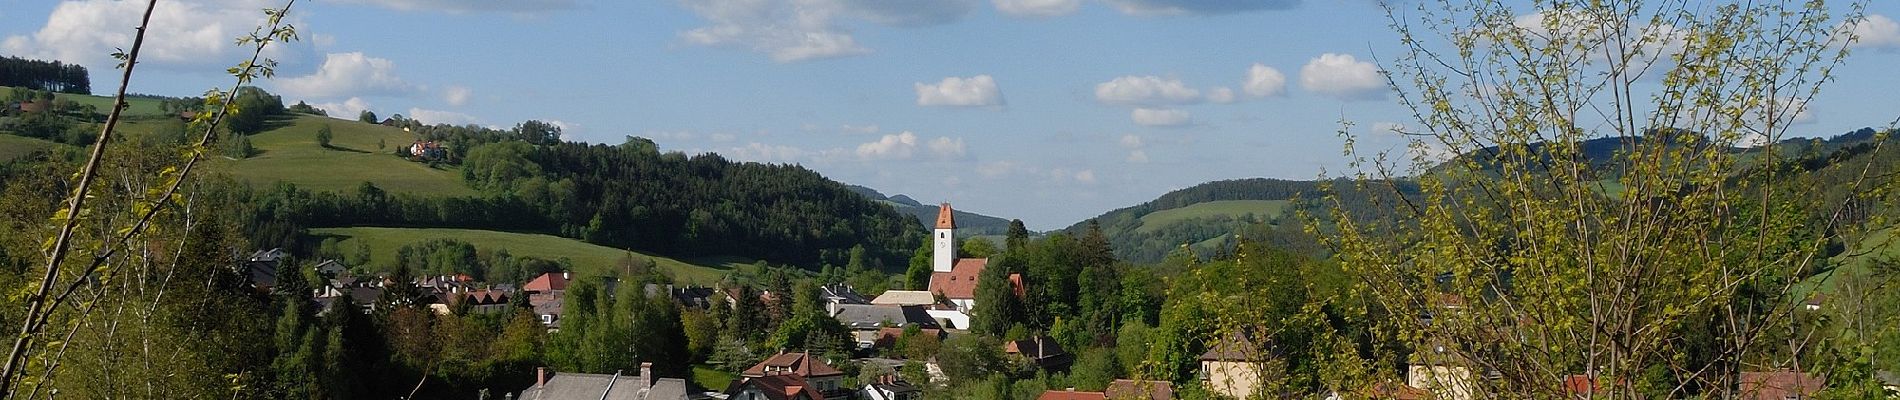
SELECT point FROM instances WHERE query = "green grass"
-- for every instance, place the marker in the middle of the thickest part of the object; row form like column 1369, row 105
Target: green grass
column 706, row 377
column 1856, row 261
column 1264, row 208
column 289, row 153
column 12, row 147
column 135, row 106
column 383, row 243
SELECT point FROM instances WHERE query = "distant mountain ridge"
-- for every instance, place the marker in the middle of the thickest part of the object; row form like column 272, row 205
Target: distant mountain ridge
column 967, row 222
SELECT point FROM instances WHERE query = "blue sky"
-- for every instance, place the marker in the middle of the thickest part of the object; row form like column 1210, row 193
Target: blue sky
column 1052, row 111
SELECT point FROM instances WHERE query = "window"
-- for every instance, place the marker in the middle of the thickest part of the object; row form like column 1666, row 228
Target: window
column 941, row 235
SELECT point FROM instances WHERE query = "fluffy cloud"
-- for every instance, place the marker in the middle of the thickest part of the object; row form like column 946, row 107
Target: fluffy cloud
column 348, row 74
column 802, row 30
column 1343, row 77
column 1876, row 32
column 347, row 109
column 456, row 95
column 432, row 117
column 192, row 34
column 1160, row 117
column 975, row 91
column 890, row 147
column 463, row 6
column 1146, row 90
column 1037, row 8
column 944, row 148
column 1220, row 95
column 1137, row 149
column 904, row 146
column 1184, row 7
column 1264, row 81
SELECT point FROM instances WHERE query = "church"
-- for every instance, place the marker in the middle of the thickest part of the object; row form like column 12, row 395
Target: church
column 955, row 278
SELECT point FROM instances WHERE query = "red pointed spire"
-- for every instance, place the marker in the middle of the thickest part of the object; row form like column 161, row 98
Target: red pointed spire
column 944, row 219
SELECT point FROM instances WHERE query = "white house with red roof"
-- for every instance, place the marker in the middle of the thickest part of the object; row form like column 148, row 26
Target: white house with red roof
column 956, row 278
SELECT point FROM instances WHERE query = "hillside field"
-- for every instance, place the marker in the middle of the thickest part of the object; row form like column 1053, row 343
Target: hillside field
column 383, row 243
column 12, row 147
column 1234, row 208
column 289, row 152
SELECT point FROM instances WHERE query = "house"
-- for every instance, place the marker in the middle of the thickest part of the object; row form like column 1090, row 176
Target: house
column 1070, row 394
column 574, row 386
column 261, row 268
column 953, row 278
column 1443, row 372
column 840, row 294
column 776, row 387
column 687, row 296
column 485, row 301
column 812, row 373
column 1131, row 389
column 1780, row 385
column 866, row 317
column 545, row 294
column 1040, row 351
column 1392, row 391
column 905, row 298
column 331, row 268
column 890, row 388
column 1237, row 366
column 885, row 338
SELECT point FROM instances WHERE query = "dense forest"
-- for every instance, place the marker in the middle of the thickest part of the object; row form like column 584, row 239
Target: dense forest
column 52, row 76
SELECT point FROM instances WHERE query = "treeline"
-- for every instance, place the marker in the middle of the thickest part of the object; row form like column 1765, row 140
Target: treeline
column 1135, row 243
column 44, row 75
column 632, row 196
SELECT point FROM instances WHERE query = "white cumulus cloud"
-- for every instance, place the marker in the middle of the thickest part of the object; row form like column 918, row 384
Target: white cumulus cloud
column 1188, row 7
column 433, row 117
column 1220, row 95
column 975, row 91
column 890, row 147
column 456, row 95
column 1343, row 77
column 1037, row 8
column 1876, row 32
column 1264, row 81
column 1146, row 90
column 1160, row 117
column 944, row 148
column 464, row 6
column 348, row 74
column 189, row 34
column 347, row 109
column 803, row 30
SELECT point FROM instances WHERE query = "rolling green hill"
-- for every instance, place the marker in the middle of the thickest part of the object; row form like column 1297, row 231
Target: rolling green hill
column 1266, row 209
column 137, row 106
column 383, row 243
column 12, row 147
column 360, row 153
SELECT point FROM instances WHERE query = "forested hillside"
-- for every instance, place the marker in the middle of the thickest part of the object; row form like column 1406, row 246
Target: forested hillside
column 1209, row 217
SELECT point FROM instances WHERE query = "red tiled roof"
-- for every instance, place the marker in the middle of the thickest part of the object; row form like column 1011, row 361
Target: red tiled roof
column 1129, row 389
column 960, row 282
column 778, row 387
column 547, row 282
column 1395, row 391
column 800, row 364
column 1780, row 385
column 1070, row 395
column 945, row 217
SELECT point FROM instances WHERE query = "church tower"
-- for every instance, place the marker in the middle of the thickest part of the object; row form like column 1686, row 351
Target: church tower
column 945, row 254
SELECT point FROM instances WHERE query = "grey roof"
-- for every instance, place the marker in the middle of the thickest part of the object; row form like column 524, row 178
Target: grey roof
column 860, row 316
column 843, row 294
column 573, row 386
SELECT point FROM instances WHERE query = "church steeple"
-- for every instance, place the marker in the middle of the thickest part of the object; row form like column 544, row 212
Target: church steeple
column 945, row 236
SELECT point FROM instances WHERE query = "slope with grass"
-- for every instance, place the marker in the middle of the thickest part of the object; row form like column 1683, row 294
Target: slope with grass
column 1261, row 209
column 358, row 153
column 136, row 106
column 12, row 147
column 383, row 243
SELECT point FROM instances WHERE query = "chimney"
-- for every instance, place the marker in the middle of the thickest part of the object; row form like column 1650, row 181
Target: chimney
column 646, row 374
column 540, row 377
